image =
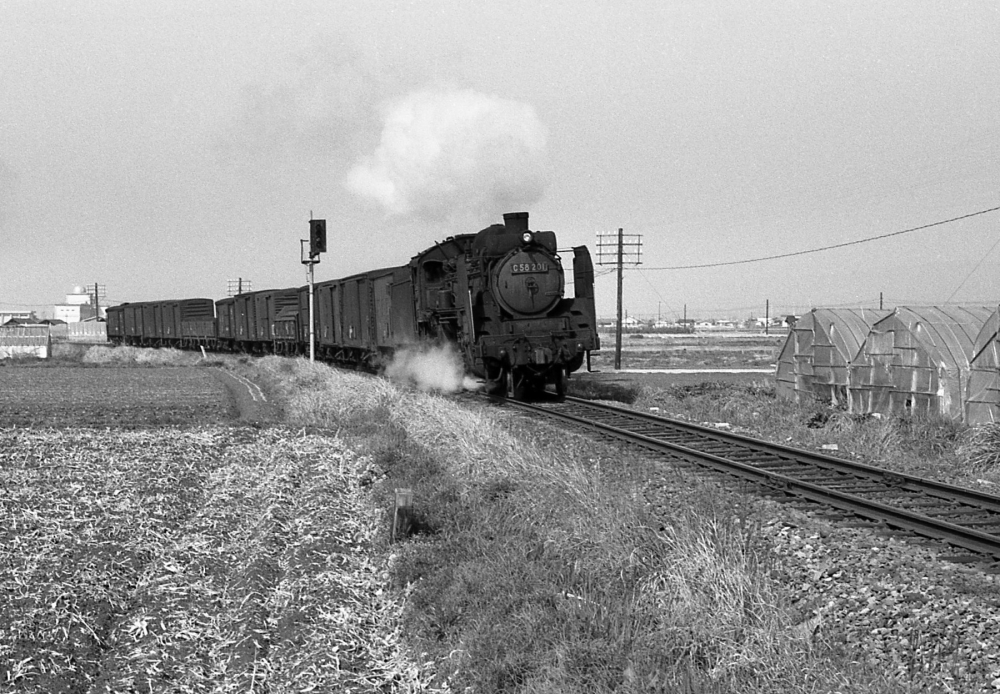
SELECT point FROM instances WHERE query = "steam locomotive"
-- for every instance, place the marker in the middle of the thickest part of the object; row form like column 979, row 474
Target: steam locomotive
column 498, row 296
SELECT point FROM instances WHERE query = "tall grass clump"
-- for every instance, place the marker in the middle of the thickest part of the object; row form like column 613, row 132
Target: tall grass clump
column 139, row 356
column 979, row 451
column 535, row 563
column 68, row 352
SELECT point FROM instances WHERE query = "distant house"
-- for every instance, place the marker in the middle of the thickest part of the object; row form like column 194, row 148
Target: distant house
column 79, row 306
column 17, row 317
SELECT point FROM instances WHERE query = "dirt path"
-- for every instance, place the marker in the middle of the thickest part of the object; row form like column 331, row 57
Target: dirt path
column 251, row 402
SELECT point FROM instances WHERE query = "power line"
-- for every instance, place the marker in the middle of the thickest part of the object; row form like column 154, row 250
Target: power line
column 657, row 292
column 825, row 248
column 973, row 270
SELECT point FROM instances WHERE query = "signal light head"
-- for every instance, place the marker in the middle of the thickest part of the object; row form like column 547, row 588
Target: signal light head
column 317, row 237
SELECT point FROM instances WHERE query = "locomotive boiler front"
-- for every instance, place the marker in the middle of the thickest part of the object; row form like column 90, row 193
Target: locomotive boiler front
column 528, row 281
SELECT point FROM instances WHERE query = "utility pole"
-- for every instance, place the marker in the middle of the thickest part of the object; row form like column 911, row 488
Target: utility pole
column 235, row 287
column 622, row 247
column 317, row 245
column 618, row 327
column 99, row 290
column 767, row 316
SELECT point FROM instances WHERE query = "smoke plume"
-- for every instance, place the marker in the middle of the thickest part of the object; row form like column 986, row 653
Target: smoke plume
column 430, row 368
column 452, row 153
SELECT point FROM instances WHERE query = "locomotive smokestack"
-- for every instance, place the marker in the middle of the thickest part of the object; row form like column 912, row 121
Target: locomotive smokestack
column 516, row 222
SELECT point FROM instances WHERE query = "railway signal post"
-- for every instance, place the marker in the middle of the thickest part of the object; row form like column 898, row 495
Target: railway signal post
column 317, row 245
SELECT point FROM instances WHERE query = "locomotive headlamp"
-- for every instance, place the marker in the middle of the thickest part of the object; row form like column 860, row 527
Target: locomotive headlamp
column 526, row 237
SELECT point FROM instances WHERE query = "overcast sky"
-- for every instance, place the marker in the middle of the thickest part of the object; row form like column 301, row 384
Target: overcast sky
column 163, row 148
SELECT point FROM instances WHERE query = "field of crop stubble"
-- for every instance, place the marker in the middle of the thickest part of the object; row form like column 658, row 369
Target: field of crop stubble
column 151, row 541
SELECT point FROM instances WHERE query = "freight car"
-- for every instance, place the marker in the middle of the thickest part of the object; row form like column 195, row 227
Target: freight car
column 182, row 323
column 498, row 296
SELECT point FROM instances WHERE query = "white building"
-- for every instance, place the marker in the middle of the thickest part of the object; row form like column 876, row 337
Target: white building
column 79, row 306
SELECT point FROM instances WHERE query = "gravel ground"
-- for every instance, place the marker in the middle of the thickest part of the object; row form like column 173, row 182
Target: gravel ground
column 932, row 623
column 897, row 604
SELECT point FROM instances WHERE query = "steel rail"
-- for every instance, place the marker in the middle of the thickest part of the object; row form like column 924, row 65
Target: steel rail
column 902, row 480
column 918, row 523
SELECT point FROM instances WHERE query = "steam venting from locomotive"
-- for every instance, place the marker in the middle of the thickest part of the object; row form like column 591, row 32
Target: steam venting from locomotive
column 459, row 150
column 430, row 368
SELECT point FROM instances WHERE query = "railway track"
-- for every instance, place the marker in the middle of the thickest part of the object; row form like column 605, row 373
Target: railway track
column 960, row 517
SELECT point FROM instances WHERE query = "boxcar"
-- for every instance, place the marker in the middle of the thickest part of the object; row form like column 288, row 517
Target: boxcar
column 195, row 321
column 115, row 317
column 150, row 331
column 225, row 322
column 329, row 330
column 132, row 315
column 245, row 321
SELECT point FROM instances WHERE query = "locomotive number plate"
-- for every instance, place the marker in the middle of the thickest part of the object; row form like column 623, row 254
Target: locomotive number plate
column 526, row 268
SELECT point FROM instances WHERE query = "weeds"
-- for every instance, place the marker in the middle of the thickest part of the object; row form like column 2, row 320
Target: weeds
column 536, row 564
column 979, row 448
column 140, row 357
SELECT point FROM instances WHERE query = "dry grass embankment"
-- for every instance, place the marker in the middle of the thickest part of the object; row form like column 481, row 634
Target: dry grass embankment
column 535, row 564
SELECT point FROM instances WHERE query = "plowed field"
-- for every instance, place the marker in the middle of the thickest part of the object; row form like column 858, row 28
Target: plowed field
column 70, row 396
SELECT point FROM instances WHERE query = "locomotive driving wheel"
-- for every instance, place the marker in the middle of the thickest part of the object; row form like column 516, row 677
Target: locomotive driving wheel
column 496, row 383
column 562, row 381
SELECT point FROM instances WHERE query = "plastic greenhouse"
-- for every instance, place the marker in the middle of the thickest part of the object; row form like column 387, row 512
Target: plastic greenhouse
column 917, row 360
column 813, row 363
column 982, row 400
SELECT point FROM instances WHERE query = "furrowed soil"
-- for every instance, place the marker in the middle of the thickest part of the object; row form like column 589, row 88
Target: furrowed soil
column 66, row 396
